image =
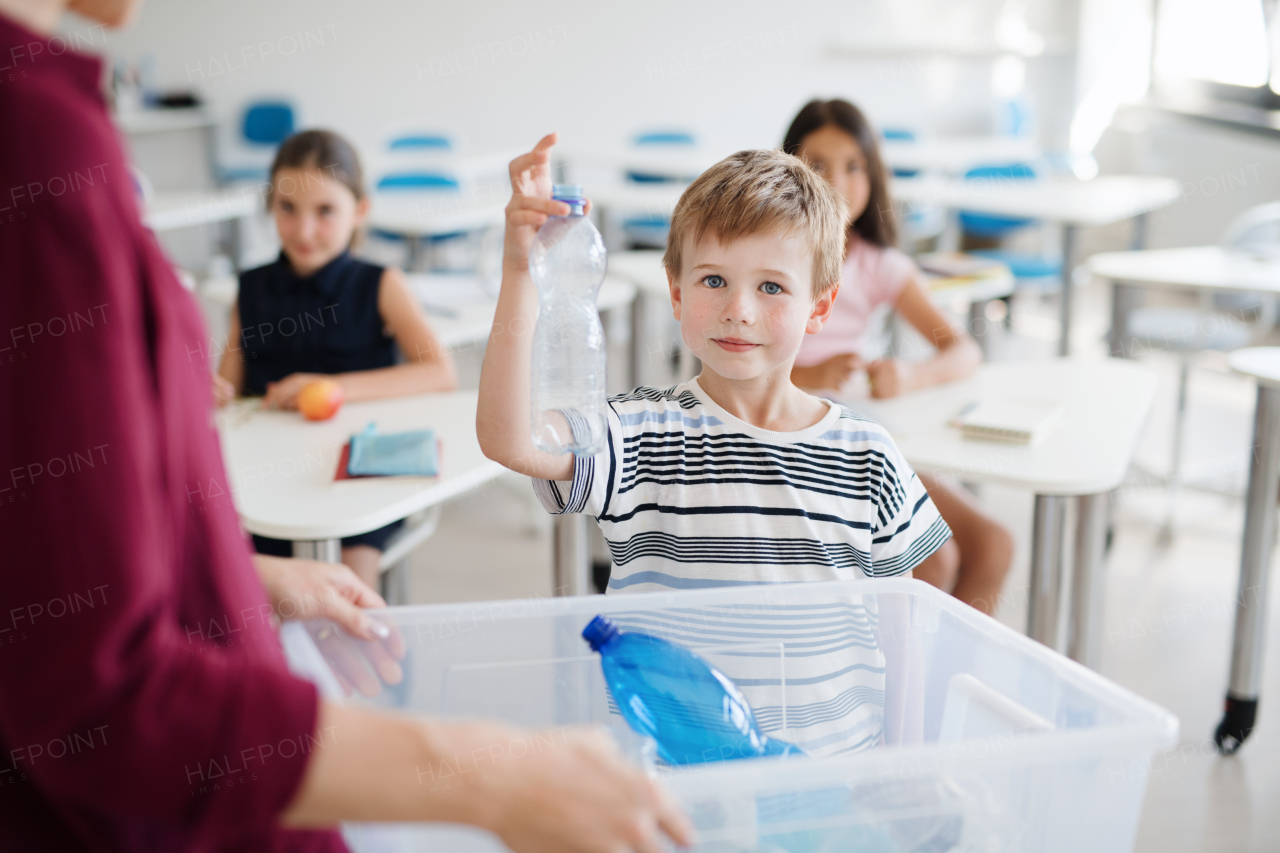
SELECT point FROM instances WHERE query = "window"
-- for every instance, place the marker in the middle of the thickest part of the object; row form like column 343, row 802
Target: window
column 1216, row 57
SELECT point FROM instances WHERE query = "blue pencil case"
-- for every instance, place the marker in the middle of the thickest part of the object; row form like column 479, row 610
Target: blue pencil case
column 395, row 454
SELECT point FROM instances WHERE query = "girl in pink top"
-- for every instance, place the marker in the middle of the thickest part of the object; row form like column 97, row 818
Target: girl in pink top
column 837, row 141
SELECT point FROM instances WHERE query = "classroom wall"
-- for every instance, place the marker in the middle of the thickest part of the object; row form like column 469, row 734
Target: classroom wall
column 1223, row 169
column 500, row 74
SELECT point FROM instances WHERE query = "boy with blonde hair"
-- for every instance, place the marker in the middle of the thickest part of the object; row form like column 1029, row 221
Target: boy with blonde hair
column 736, row 476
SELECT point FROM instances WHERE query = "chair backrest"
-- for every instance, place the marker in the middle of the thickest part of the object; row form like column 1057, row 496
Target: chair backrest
column 267, row 122
column 1006, row 171
column 665, row 137
column 986, row 224
column 417, row 181
column 424, row 142
column 1256, row 230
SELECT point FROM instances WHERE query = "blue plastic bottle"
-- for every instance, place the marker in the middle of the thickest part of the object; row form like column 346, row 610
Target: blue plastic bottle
column 567, row 392
column 690, row 708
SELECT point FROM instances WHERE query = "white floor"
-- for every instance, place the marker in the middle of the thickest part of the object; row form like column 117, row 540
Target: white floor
column 1169, row 610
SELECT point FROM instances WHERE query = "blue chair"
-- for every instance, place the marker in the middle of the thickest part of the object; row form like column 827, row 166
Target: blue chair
column 268, row 123
column 900, row 134
column 417, row 181
column 421, row 181
column 263, row 126
column 1040, row 272
column 651, row 229
column 420, row 143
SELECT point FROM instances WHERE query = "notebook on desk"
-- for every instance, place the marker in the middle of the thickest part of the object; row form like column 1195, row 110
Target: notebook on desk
column 957, row 264
column 1013, row 420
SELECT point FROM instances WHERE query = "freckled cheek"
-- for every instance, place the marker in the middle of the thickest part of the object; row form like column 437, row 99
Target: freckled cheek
column 784, row 324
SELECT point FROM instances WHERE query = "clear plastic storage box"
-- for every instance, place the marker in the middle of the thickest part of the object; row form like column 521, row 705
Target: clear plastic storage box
column 962, row 734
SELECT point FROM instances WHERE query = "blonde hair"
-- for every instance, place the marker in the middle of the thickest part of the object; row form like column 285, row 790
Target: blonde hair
column 754, row 191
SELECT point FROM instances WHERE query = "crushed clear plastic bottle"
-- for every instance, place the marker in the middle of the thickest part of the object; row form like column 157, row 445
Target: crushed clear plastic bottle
column 567, row 263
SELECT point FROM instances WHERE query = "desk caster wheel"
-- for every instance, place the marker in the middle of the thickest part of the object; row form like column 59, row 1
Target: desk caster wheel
column 1236, row 724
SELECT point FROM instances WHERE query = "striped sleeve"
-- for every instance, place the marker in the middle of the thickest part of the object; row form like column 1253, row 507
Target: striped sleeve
column 909, row 527
column 590, row 487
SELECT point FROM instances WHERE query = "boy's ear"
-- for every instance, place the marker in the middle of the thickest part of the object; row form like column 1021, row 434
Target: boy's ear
column 675, row 294
column 821, row 310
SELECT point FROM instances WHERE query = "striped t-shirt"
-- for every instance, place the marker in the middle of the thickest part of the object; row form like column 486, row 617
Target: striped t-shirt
column 688, row 496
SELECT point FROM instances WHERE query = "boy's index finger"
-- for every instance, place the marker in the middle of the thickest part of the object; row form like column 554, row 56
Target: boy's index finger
column 539, row 155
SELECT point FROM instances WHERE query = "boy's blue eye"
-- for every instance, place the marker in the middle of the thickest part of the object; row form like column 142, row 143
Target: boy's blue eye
column 771, row 287
column 714, row 281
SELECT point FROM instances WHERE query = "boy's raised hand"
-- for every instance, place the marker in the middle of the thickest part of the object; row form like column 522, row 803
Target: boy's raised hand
column 530, row 204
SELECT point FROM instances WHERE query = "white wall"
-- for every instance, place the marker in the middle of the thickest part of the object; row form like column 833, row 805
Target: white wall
column 501, row 74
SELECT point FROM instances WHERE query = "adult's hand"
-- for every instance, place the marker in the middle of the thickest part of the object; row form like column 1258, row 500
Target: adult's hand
column 567, row 789
column 312, row 590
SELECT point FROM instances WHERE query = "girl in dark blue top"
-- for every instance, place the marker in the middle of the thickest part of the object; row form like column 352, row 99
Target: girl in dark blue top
column 318, row 312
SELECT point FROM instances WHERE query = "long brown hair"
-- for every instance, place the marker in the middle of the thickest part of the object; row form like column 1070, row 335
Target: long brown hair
column 877, row 224
column 329, row 153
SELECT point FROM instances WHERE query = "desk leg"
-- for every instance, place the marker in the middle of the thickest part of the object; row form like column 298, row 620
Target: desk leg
column 979, row 327
column 1048, row 580
column 1087, row 579
column 1068, row 262
column 571, row 556
column 415, row 252
column 639, row 338
column 325, row 550
column 1255, row 560
column 1138, row 237
column 1124, row 298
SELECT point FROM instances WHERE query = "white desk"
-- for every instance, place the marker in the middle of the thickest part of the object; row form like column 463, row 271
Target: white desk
column 675, row 161
column 421, row 215
column 1073, row 204
column 168, row 211
column 281, row 468
column 1257, row 542
column 1196, row 267
column 461, row 313
column 957, row 154
column 1083, row 457
column 139, row 122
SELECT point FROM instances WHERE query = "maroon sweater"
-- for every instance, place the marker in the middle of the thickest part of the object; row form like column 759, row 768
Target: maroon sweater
column 145, row 703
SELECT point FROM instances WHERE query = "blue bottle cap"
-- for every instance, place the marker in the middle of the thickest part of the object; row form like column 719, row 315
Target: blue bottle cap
column 570, row 194
column 566, row 192
column 598, row 632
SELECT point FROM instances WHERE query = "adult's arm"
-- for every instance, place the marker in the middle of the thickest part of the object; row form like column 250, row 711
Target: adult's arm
column 554, row 790
column 117, row 698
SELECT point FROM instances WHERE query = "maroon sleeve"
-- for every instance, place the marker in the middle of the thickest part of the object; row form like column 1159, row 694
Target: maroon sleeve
column 119, row 697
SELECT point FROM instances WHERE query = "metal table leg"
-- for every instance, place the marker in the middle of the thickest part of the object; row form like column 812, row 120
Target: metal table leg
column 1124, row 298
column 1255, row 561
column 979, row 327
column 1048, row 580
column 1068, row 262
column 571, row 556
column 325, row 550
column 1087, row 579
